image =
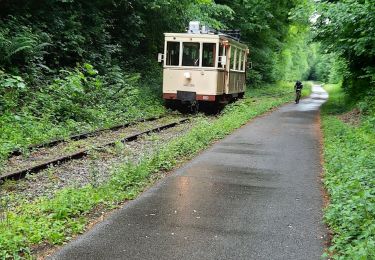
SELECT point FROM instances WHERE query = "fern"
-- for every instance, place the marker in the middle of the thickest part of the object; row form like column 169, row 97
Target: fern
column 21, row 46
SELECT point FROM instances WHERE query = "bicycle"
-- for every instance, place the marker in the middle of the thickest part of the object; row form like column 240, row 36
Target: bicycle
column 298, row 95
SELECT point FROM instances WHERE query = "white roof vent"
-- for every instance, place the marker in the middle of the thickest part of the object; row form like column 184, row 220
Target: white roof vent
column 194, row 27
column 206, row 29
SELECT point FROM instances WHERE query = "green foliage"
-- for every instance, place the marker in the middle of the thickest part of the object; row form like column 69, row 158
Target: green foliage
column 11, row 90
column 264, row 27
column 75, row 100
column 349, row 178
column 83, row 95
column 99, row 32
column 124, row 32
column 20, row 45
column 68, row 66
column 346, row 28
column 296, row 58
column 278, row 36
column 55, row 220
column 328, row 67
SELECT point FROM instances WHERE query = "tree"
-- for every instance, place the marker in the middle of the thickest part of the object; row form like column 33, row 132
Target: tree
column 347, row 28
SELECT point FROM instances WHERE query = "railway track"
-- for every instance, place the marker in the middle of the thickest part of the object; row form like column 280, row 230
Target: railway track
column 21, row 173
column 81, row 136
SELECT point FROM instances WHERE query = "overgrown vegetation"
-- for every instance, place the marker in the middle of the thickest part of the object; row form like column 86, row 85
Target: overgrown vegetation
column 68, row 65
column 55, row 220
column 278, row 35
column 349, row 176
column 345, row 30
column 77, row 100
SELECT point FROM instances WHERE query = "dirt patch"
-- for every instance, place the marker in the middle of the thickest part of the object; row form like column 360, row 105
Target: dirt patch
column 352, row 117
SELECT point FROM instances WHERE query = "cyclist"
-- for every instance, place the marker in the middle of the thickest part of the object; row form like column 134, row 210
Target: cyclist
column 298, row 88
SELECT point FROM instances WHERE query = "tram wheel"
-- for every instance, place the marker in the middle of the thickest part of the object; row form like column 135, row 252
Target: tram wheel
column 194, row 107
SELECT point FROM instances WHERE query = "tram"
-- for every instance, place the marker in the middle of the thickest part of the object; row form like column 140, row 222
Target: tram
column 203, row 65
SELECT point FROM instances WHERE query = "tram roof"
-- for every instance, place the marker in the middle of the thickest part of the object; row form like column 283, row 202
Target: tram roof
column 207, row 36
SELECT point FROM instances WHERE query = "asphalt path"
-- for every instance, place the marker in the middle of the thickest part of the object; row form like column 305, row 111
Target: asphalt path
column 254, row 195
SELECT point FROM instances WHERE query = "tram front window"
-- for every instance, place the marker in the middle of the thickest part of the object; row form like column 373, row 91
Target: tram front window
column 190, row 55
column 173, row 53
column 209, row 54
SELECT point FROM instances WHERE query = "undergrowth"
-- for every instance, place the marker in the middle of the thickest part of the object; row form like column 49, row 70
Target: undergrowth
column 75, row 101
column 349, row 155
column 56, row 220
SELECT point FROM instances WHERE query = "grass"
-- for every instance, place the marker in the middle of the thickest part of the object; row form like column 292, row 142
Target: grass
column 56, row 220
column 349, row 155
column 18, row 131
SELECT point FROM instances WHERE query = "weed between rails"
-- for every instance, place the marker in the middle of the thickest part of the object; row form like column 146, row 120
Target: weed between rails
column 56, row 220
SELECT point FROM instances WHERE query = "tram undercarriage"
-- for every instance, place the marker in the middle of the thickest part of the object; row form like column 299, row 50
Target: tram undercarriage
column 191, row 102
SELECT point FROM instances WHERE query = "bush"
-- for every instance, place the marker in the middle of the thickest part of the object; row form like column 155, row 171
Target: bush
column 11, row 90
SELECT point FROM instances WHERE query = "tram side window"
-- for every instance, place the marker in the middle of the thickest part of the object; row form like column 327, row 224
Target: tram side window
column 173, row 53
column 209, row 54
column 239, row 59
column 232, row 54
column 190, row 55
column 221, row 53
column 244, row 61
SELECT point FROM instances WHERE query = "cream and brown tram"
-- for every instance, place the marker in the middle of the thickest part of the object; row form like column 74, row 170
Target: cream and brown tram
column 203, row 66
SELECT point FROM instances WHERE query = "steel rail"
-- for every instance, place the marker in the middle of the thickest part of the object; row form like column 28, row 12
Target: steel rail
column 81, row 136
column 19, row 174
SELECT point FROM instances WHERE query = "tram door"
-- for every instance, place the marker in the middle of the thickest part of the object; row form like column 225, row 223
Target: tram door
column 223, row 69
column 223, row 72
column 236, row 68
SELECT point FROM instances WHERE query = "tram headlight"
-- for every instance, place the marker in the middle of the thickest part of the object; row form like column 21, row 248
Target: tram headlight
column 187, row 75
